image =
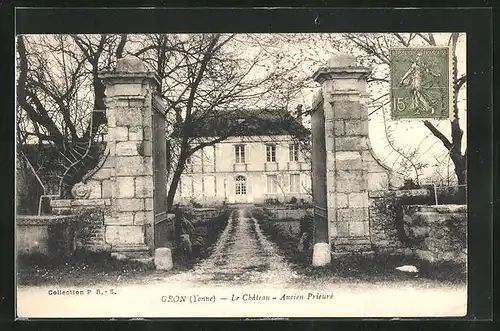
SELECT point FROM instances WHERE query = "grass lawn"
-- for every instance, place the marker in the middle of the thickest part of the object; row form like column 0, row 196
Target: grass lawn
column 84, row 269
column 381, row 268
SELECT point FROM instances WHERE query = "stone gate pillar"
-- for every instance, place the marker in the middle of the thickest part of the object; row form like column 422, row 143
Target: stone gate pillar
column 129, row 106
column 350, row 169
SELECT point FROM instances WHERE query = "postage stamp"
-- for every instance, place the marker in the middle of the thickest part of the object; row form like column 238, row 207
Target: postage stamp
column 421, row 82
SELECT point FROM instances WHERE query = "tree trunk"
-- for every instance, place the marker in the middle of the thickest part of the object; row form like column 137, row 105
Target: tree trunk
column 173, row 188
column 175, row 182
column 99, row 96
column 460, row 164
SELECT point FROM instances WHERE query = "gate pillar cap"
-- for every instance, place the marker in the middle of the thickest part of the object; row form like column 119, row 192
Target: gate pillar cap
column 341, row 66
column 342, row 61
column 130, row 63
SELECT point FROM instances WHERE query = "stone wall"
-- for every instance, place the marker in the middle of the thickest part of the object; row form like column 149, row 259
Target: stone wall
column 386, row 218
column 283, row 212
column 405, row 222
column 49, row 235
column 90, row 212
column 437, row 233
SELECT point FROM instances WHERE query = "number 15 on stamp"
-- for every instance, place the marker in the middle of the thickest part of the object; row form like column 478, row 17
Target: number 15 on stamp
column 420, row 83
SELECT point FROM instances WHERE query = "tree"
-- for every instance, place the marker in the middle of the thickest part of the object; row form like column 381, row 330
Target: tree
column 374, row 50
column 61, row 97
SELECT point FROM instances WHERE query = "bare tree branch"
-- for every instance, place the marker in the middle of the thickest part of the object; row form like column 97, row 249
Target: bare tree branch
column 438, row 134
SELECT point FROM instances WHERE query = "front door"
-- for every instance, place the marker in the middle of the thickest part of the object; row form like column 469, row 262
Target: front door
column 240, row 189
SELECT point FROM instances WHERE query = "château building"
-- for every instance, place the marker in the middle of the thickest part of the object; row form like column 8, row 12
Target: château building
column 263, row 159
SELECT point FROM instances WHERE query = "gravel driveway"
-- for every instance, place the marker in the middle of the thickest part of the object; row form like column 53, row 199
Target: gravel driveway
column 242, row 255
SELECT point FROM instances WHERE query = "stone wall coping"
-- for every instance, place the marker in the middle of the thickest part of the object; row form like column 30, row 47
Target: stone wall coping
column 345, row 92
column 79, row 202
column 197, row 209
column 203, row 209
column 399, row 193
column 60, row 203
column 438, row 208
column 287, row 208
column 42, row 220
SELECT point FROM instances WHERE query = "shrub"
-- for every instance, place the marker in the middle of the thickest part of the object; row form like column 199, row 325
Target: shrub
column 281, row 232
column 307, row 224
column 455, row 195
column 272, row 202
column 409, row 184
column 304, row 204
column 262, row 214
column 195, row 204
column 445, row 194
column 293, row 201
column 203, row 233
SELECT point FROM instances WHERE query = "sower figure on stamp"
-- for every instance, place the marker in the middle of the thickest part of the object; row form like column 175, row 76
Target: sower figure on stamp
column 413, row 78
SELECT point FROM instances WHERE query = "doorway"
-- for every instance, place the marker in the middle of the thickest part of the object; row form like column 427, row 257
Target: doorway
column 240, row 189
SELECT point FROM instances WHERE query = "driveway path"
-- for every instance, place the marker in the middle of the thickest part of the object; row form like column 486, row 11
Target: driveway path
column 242, row 254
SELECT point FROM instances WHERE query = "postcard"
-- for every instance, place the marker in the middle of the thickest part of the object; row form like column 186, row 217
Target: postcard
column 248, row 175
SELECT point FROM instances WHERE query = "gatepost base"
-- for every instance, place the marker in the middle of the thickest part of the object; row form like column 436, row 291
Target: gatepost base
column 321, row 254
column 351, row 244
column 137, row 252
column 163, row 258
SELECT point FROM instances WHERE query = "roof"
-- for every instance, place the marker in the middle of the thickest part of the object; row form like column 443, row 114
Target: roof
column 244, row 122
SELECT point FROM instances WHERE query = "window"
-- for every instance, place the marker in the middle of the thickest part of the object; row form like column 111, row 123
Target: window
column 239, row 153
column 272, row 184
column 271, row 153
column 294, row 183
column 209, row 186
column 186, row 186
column 294, row 152
column 208, row 155
column 241, row 185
